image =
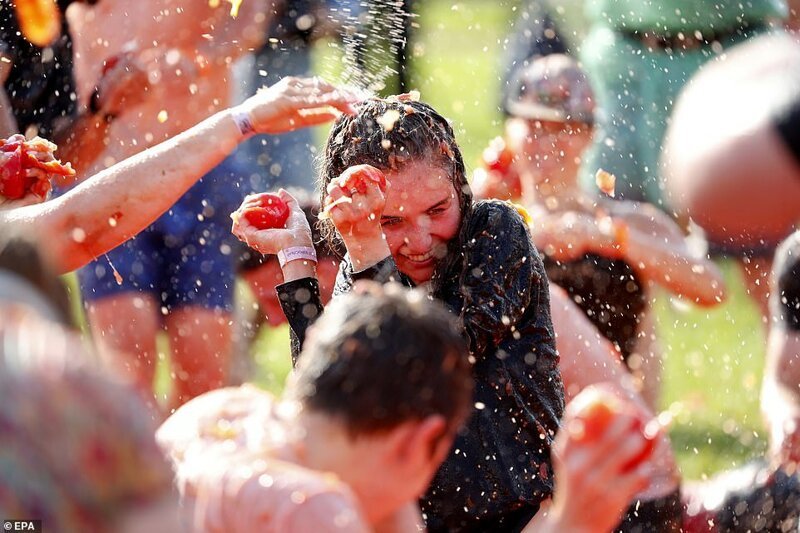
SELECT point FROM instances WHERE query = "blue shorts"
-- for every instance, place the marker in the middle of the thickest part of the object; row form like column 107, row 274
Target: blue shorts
column 186, row 257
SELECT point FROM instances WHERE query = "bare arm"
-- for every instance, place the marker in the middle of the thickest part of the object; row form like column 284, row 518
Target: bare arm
column 641, row 235
column 117, row 203
column 657, row 250
column 119, row 89
column 587, row 358
column 81, row 143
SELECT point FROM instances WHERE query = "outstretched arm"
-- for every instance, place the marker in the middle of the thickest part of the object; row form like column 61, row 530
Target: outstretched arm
column 114, row 205
column 642, row 236
column 587, row 358
column 657, row 249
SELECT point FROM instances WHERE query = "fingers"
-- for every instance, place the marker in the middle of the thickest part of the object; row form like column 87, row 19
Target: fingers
column 317, row 118
column 298, row 102
column 353, row 201
column 287, row 197
column 297, row 221
column 256, row 239
column 319, row 94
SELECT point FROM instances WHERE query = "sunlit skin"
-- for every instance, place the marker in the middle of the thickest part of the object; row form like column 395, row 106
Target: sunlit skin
column 187, row 50
column 569, row 222
column 421, row 216
column 548, row 154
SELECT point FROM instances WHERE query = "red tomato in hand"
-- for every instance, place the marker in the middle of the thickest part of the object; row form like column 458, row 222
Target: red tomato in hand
column 359, row 176
column 271, row 212
column 596, row 412
column 12, row 174
column 18, row 156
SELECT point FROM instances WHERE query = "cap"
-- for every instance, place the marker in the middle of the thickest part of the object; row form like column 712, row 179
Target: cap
column 553, row 88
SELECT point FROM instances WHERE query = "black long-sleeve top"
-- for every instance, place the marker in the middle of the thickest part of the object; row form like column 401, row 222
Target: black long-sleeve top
column 499, row 469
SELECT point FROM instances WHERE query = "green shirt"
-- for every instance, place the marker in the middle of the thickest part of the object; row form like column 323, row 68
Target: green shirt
column 682, row 15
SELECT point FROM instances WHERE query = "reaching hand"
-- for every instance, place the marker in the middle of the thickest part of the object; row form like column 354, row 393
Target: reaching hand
column 356, row 200
column 568, row 236
column 270, row 241
column 294, row 103
column 597, row 476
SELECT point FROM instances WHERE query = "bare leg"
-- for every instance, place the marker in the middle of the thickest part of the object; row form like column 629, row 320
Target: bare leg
column 756, row 272
column 201, row 343
column 246, row 325
column 648, row 361
column 124, row 327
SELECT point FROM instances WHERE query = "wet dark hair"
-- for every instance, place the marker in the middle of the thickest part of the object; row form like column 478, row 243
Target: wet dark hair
column 785, row 298
column 418, row 134
column 383, row 355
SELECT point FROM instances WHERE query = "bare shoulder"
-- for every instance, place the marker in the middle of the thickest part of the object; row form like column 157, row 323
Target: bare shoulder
column 212, row 418
column 290, row 498
column 333, row 509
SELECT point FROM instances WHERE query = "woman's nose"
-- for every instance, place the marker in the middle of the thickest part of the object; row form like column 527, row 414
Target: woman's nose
column 419, row 239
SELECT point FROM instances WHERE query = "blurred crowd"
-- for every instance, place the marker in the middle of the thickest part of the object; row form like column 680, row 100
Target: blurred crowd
column 470, row 350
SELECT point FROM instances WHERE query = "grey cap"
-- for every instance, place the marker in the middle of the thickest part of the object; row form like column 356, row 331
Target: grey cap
column 552, row 88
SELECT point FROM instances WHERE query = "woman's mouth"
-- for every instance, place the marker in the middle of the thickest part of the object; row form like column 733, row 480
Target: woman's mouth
column 420, row 258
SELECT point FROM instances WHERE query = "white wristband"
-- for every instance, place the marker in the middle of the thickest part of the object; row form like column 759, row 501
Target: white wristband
column 297, row 252
column 243, row 122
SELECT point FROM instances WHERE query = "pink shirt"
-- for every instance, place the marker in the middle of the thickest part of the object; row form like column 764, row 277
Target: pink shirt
column 235, row 472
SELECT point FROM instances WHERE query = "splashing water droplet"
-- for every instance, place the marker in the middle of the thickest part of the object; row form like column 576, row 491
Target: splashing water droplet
column 117, row 276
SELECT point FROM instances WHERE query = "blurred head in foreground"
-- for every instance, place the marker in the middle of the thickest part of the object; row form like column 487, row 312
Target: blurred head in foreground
column 390, row 367
column 77, row 448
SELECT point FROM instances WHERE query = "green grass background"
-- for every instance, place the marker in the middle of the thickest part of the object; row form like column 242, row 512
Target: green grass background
column 713, row 360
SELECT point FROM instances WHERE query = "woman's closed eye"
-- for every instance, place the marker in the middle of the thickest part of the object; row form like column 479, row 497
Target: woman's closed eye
column 438, row 208
column 390, row 221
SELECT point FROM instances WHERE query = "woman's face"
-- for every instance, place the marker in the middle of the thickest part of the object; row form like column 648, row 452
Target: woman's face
column 421, row 216
column 548, row 151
